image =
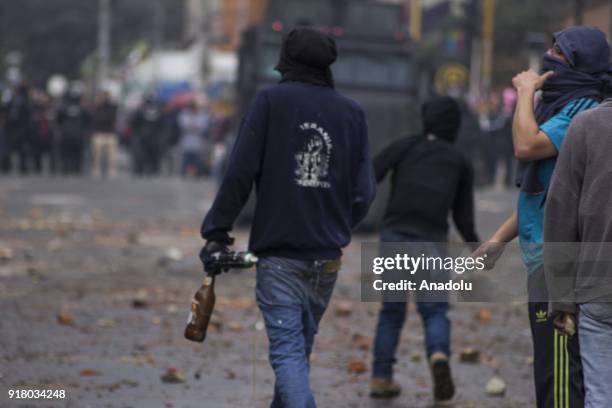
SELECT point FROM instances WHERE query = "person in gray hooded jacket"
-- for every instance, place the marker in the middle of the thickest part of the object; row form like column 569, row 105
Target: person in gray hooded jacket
column 578, row 236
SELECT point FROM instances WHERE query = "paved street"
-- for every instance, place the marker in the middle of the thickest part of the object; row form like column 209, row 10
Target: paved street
column 95, row 283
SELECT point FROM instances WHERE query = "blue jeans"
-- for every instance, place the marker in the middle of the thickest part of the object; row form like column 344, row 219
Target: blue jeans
column 595, row 335
column 393, row 315
column 292, row 296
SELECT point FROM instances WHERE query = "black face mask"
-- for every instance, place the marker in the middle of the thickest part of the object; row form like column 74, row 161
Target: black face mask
column 551, row 63
column 566, row 84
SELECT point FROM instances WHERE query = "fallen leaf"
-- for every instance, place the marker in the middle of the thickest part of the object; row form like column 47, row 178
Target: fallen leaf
column 484, row 316
column 356, row 367
column 65, row 318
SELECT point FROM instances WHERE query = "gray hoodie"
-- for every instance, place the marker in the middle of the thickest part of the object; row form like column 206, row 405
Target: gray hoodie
column 578, row 214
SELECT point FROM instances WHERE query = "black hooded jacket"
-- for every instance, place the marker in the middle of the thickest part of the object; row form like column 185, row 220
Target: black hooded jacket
column 305, row 148
column 306, row 56
column 430, row 178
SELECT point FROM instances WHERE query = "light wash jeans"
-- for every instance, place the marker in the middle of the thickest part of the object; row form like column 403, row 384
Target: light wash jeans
column 595, row 335
column 292, row 296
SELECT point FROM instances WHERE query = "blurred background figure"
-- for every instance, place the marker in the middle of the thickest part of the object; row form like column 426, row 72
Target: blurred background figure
column 19, row 127
column 104, row 139
column 42, row 145
column 193, row 123
column 221, row 137
column 492, row 121
column 72, row 126
column 469, row 141
column 505, row 150
column 147, row 144
column 4, row 154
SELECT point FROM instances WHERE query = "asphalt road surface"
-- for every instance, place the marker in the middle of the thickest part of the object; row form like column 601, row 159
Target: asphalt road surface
column 95, row 283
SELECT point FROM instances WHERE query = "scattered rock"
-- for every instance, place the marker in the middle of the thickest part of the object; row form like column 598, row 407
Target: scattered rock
column 140, row 304
column 484, row 316
column 416, row 357
column 106, row 322
column 356, row 367
column 344, row 309
column 172, row 375
column 130, row 383
column 55, row 245
column 229, row 374
column 235, row 326
column 469, row 355
column 132, row 238
column 361, row 342
column 88, row 372
column 141, row 347
column 174, row 254
column 65, row 318
column 6, row 254
column 496, row 387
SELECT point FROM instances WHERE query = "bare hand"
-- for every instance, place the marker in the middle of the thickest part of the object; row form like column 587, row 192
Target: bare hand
column 490, row 252
column 530, row 80
column 565, row 324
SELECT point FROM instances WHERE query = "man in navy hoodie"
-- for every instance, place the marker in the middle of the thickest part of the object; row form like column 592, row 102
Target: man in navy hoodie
column 305, row 147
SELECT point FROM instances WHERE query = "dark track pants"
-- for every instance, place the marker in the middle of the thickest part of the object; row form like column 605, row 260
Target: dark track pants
column 557, row 368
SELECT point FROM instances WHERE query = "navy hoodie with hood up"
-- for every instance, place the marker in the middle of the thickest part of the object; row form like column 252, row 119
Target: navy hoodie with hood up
column 305, row 148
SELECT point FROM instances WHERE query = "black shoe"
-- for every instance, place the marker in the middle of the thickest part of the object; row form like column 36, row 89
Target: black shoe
column 444, row 389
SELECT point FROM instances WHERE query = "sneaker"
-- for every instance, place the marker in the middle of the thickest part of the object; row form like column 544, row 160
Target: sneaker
column 384, row 388
column 444, row 389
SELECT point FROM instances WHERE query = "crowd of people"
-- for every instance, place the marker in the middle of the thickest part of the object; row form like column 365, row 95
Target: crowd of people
column 75, row 135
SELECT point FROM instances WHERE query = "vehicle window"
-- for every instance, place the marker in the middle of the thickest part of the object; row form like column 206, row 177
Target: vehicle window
column 371, row 18
column 293, row 12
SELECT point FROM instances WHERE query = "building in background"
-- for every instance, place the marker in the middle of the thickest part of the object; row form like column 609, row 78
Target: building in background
column 597, row 13
column 230, row 18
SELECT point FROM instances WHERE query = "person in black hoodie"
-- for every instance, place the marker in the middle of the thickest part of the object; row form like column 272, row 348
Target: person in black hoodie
column 305, row 147
column 430, row 179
